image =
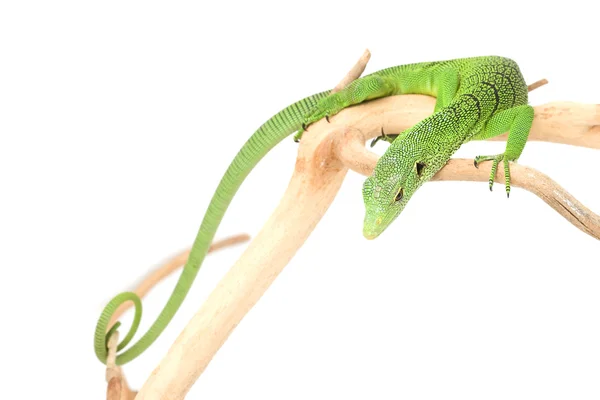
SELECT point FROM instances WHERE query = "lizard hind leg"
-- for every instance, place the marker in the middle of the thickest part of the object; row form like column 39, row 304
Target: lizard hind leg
column 363, row 89
column 517, row 121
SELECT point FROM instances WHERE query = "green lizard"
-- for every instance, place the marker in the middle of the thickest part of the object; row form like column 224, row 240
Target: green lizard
column 477, row 98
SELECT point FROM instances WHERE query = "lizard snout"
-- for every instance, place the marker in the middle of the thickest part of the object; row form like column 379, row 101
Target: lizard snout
column 372, row 227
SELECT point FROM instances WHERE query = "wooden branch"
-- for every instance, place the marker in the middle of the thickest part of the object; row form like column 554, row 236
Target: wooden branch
column 317, row 178
column 117, row 388
column 154, row 277
column 571, row 123
column 535, row 182
column 350, row 149
column 567, row 123
column 355, row 72
column 537, row 84
column 324, row 156
column 557, row 122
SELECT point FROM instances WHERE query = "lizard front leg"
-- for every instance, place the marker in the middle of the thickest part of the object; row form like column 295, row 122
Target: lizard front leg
column 363, row 89
column 517, row 121
column 448, row 83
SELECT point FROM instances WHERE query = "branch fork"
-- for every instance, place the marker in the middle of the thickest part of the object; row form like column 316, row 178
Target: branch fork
column 325, row 155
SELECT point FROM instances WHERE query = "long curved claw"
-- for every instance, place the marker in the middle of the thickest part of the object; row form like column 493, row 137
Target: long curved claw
column 495, row 161
column 378, row 138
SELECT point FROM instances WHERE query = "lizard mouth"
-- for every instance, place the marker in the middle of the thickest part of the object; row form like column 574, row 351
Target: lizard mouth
column 370, row 235
column 372, row 228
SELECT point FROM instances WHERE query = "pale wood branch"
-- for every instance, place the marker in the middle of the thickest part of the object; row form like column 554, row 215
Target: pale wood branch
column 324, row 156
column 117, row 388
column 537, row 84
column 559, row 122
column 350, row 149
column 314, row 185
column 535, row 182
column 354, row 72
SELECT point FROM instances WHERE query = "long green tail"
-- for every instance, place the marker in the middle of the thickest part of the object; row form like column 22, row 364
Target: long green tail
column 258, row 145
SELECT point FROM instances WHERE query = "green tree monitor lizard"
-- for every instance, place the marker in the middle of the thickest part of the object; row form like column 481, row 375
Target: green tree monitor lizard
column 477, row 98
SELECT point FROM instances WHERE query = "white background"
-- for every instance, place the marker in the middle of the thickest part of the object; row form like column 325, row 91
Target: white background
column 117, row 120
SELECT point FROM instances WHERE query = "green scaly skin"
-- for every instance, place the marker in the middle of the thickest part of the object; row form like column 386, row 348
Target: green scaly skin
column 477, row 98
column 277, row 128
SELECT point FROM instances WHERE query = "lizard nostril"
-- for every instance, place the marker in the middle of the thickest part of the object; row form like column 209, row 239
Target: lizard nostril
column 378, row 221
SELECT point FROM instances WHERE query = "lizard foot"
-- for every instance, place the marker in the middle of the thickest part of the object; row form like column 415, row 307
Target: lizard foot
column 362, row 89
column 495, row 160
column 385, row 137
column 326, row 108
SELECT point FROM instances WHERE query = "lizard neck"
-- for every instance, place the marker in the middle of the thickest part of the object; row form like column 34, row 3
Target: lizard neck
column 435, row 139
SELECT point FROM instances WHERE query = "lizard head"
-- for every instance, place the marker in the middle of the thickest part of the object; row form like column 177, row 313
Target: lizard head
column 397, row 175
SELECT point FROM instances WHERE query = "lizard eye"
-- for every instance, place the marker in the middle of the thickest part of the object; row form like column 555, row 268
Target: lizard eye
column 399, row 195
column 420, row 167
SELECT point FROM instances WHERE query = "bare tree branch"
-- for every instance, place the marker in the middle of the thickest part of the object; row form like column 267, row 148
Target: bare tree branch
column 324, row 157
column 239, row 291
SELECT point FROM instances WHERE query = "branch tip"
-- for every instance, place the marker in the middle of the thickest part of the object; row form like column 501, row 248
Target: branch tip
column 355, row 72
column 537, row 84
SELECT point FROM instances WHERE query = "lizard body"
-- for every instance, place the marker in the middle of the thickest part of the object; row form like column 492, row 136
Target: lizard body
column 477, row 98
